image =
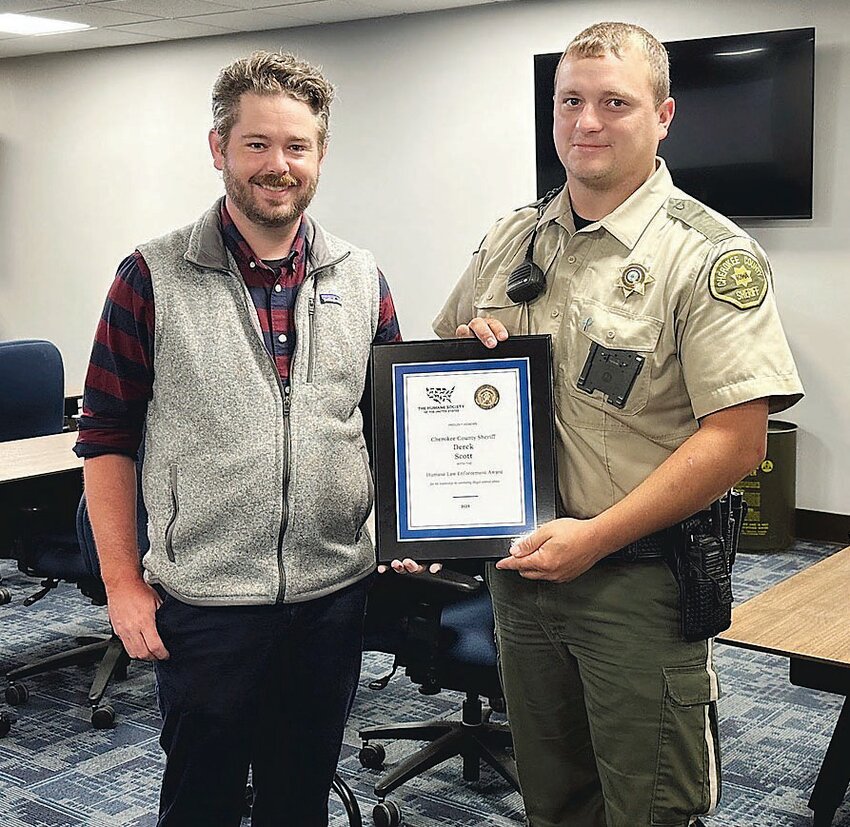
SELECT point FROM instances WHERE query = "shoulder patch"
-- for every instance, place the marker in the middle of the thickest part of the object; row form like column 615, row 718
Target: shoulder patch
column 739, row 279
column 695, row 215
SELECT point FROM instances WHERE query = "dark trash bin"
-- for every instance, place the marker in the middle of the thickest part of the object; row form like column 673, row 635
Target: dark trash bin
column 771, row 492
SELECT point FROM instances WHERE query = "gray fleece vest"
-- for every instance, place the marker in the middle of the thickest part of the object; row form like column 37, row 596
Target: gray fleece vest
column 255, row 495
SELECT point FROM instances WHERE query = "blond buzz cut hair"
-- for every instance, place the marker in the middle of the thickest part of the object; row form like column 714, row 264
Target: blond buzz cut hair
column 614, row 38
column 270, row 73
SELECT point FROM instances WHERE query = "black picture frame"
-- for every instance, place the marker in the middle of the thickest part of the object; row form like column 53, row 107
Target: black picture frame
column 531, row 358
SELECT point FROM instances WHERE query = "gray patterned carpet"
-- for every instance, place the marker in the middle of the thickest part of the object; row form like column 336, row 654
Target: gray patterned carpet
column 56, row 771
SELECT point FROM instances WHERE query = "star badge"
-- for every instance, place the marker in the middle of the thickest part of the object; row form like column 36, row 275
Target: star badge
column 634, row 279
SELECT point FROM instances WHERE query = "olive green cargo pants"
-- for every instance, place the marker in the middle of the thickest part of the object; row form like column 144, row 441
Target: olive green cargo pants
column 613, row 714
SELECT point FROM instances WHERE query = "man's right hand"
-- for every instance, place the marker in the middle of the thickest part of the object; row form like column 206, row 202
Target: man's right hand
column 489, row 331
column 132, row 612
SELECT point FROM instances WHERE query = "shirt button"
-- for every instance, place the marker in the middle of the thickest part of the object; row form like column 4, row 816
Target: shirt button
column 571, row 259
column 281, row 338
column 277, row 288
column 610, row 334
column 556, row 313
column 252, row 264
column 489, row 297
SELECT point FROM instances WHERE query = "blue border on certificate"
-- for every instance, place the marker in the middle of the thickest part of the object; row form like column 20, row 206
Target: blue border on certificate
column 404, row 531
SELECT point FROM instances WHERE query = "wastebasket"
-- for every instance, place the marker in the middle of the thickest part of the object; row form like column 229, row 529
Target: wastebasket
column 771, row 492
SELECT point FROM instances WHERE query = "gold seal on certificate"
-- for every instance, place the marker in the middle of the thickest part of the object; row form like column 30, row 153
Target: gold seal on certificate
column 463, row 446
column 487, row 397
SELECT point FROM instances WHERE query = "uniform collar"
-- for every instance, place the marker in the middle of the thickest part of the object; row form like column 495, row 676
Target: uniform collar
column 628, row 222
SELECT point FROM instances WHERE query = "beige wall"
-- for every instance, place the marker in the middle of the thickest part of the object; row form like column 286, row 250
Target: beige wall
column 432, row 139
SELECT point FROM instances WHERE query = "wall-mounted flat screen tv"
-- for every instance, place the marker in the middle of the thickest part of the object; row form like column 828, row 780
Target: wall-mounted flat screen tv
column 741, row 139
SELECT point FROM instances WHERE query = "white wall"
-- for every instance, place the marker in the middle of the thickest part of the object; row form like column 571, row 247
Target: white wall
column 432, row 139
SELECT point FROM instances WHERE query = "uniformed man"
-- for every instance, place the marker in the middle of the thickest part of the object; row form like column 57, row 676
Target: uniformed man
column 668, row 357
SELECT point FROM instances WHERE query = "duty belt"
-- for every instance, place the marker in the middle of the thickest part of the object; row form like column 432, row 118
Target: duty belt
column 652, row 547
column 661, row 544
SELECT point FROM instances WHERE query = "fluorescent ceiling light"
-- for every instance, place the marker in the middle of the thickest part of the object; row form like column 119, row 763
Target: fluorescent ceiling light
column 29, row 24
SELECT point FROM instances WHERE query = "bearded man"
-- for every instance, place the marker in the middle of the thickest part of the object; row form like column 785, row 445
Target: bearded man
column 234, row 352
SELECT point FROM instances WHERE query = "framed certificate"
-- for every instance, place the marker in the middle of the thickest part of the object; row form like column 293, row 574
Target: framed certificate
column 463, row 446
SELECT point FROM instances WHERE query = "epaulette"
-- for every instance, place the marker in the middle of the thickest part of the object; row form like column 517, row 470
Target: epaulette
column 695, row 215
column 541, row 203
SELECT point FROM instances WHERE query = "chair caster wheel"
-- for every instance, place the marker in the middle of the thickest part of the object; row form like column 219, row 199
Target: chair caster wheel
column 249, row 801
column 387, row 814
column 17, row 694
column 103, row 717
column 5, row 597
column 5, row 724
column 372, row 756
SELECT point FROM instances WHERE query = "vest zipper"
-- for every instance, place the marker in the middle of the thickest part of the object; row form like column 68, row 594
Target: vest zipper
column 284, row 519
column 311, row 314
column 311, row 331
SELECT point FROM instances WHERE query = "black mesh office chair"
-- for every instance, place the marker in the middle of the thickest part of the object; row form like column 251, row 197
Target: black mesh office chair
column 440, row 628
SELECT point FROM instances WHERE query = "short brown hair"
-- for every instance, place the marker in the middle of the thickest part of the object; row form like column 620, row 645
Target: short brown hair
column 270, row 73
column 613, row 38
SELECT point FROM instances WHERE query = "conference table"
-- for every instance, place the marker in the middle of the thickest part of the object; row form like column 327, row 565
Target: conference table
column 806, row 618
column 41, row 456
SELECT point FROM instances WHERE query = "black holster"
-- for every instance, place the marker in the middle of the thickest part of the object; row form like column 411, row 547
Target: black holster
column 702, row 565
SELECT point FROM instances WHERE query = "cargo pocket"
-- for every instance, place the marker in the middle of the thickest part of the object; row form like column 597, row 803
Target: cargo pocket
column 687, row 773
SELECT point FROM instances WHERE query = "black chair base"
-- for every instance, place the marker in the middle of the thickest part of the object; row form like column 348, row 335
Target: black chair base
column 473, row 738
column 107, row 649
column 346, row 796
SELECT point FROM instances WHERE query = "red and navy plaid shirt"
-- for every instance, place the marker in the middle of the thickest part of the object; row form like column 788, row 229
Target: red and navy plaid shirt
column 119, row 381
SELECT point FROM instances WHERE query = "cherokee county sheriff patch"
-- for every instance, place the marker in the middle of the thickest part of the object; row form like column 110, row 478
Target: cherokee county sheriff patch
column 738, row 278
column 486, row 397
column 634, row 279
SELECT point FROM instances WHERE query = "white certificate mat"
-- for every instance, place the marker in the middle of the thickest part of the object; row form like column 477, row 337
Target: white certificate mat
column 464, row 466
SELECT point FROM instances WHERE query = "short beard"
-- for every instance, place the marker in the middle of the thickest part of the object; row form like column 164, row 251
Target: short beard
column 241, row 196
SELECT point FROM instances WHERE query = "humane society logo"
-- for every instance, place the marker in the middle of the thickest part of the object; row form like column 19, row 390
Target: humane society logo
column 442, row 396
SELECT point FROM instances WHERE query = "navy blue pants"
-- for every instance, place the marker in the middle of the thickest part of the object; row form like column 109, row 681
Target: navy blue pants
column 268, row 687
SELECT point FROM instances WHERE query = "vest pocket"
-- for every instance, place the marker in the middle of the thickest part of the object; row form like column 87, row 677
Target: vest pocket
column 370, row 495
column 175, row 511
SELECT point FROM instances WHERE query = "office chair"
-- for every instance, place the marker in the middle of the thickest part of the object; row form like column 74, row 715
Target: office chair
column 45, row 539
column 73, row 558
column 440, row 628
column 33, row 381
column 32, row 401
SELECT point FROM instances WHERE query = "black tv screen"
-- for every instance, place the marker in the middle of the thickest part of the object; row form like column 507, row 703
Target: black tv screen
column 741, row 139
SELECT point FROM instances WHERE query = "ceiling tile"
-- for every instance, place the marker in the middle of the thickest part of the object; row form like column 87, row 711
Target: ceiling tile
column 174, row 29
column 251, row 21
column 328, row 11
column 128, row 18
column 20, row 6
column 168, row 9
column 97, row 15
column 71, row 41
column 259, row 4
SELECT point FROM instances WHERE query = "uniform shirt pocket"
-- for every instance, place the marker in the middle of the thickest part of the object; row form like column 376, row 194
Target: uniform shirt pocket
column 492, row 301
column 637, row 336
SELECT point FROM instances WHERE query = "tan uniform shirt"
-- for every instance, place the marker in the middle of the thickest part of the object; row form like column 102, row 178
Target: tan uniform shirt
column 664, row 277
